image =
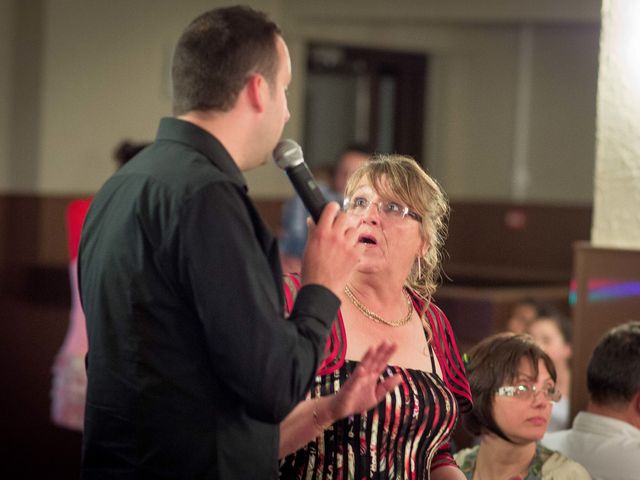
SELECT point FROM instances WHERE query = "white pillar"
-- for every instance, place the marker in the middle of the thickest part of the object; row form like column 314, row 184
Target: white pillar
column 616, row 218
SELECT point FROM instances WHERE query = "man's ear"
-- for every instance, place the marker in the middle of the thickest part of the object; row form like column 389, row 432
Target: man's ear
column 633, row 411
column 257, row 88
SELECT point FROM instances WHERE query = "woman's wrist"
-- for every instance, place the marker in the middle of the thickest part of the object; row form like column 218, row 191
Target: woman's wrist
column 322, row 413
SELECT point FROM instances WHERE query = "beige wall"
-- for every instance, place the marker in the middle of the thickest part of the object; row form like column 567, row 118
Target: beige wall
column 474, row 87
column 6, row 50
column 23, row 94
column 106, row 77
column 562, row 129
column 104, row 67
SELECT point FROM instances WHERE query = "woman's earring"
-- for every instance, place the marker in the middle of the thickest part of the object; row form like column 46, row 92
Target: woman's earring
column 419, row 268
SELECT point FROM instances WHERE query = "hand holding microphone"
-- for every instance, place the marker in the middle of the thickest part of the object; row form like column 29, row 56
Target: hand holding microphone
column 332, row 250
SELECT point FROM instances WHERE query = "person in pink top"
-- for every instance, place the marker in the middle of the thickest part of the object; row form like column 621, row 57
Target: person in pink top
column 69, row 385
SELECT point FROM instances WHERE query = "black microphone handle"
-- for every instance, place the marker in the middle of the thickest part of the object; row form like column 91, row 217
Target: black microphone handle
column 307, row 189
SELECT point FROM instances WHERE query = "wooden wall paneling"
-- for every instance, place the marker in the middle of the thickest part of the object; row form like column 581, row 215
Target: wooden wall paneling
column 504, row 243
column 607, row 294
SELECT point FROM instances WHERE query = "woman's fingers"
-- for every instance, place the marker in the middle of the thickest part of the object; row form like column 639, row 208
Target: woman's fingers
column 377, row 358
column 365, row 389
column 387, row 385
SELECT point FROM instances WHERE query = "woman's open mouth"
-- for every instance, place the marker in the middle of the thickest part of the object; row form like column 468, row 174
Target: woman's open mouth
column 368, row 239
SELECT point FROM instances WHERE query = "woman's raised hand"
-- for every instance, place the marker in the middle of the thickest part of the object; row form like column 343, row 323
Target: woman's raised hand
column 364, row 389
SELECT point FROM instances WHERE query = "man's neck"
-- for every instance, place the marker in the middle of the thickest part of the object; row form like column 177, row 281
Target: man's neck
column 222, row 126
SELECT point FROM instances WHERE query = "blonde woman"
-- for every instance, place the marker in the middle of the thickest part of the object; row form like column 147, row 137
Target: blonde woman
column 343, row 432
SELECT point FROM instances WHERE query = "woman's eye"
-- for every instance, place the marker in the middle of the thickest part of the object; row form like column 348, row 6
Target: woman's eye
column 393, row 207
column 522, row 388
column 360, row 202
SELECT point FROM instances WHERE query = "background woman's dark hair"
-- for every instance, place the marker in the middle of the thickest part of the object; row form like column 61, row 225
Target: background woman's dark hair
column 126, row 150
column 493, row 363
column 217, row 53
column 613, row 374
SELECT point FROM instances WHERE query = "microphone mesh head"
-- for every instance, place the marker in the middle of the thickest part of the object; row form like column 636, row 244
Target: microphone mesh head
column 288, row 154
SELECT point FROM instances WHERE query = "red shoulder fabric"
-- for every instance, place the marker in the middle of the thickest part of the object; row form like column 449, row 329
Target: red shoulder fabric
column 336, row 347
column 76, row 212
column 443, row 458
column 453, row 372
column 446, row 350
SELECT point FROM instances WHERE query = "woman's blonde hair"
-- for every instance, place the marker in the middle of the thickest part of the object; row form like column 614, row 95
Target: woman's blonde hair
column 398, row 177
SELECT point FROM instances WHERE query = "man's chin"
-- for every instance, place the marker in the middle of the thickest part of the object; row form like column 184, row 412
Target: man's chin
column 258, row 163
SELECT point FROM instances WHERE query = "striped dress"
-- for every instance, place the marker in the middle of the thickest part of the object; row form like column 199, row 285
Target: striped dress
column 406, row 435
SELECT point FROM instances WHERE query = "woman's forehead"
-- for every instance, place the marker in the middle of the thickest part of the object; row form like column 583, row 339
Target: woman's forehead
column 380, row 187
column 527, row 371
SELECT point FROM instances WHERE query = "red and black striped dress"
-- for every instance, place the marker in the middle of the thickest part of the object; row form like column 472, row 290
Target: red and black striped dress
column 406, row 435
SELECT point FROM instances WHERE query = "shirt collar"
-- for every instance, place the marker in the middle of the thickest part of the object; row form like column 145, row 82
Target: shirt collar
column 591, row 422
column 177, row 130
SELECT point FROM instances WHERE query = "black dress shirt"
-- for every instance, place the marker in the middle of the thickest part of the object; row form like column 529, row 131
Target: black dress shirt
column 191, row 365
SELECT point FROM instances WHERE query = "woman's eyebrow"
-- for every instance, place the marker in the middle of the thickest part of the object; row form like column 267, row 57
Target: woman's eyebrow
column 522, row 377
column 368, row 194
column 364, row 188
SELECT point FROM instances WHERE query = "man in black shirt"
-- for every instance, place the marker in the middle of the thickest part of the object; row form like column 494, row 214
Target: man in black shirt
column 191, row 365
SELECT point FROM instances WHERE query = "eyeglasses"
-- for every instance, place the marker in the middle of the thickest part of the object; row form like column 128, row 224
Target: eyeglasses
column 526, row 391
column 387, row 208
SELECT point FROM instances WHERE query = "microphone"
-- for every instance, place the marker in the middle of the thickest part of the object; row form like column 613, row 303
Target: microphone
column 288, row 156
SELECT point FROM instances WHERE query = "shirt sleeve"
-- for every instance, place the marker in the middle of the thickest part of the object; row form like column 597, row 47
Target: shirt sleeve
column 76, row 213
column 335, row 349
column 443, row 458
column 225, row 253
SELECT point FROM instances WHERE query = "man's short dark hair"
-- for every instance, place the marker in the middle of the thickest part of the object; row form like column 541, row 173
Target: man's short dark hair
column 613, row 374
column 217, row 53
column 493, row 363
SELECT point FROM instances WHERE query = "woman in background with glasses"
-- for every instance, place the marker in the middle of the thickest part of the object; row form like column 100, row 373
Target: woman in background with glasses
column 513, row 382
column 342, row 429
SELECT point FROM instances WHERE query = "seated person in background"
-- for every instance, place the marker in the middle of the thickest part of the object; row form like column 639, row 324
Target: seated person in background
column 293, row 236
column 526, row 310
column 606, row 437
column 513, row 386
column 403, row 215
column 69, row 385
column 553, row 334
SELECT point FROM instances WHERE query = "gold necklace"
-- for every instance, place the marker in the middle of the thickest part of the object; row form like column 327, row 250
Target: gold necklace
column 368, row 313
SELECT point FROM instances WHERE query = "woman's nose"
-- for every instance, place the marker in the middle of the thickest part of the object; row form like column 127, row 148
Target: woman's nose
column 540, row 399
column 372, row 214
